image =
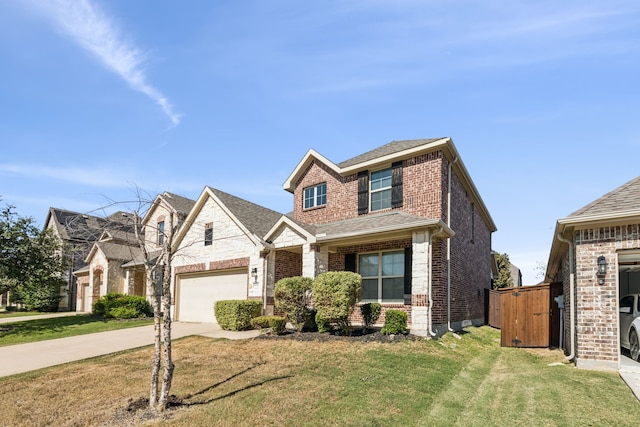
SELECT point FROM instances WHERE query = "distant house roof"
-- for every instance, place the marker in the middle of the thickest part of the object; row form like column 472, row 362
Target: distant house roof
column 181, row 204
column 79, row 227
column 118, row 251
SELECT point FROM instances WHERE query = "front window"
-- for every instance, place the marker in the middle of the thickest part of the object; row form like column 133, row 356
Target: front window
column 381, row 190
column 382, row 276
column 315, row 196
column 160, row 232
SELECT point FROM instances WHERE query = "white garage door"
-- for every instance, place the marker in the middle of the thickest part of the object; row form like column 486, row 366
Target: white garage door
column 197, row 294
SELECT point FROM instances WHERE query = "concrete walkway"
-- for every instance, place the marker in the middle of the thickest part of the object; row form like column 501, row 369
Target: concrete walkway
column 630, row 374
column 20, row 358
column 38, row 316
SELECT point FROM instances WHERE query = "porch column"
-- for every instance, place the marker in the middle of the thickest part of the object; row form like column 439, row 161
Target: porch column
column 420, row 284
column 127, row 289
column 315, row 260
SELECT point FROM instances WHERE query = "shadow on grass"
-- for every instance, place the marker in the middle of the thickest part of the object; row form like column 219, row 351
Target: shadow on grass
column 184, row 403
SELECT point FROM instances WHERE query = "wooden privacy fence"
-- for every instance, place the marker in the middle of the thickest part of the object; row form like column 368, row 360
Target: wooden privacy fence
column 527, row 316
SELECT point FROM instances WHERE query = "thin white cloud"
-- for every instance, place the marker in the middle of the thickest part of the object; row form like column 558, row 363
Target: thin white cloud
column 92, row 29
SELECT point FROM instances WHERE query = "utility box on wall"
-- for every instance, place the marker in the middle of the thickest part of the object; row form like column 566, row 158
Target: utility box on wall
column 530, row 316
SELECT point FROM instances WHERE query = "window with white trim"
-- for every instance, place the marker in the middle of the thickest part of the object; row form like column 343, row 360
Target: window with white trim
column 208, row 234
column 160, row 233
column 380, row 188
column 315, row 196
column 382, row 276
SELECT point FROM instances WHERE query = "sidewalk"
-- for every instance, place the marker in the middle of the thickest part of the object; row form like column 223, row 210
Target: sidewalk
column 20, row 358
column 38, row 316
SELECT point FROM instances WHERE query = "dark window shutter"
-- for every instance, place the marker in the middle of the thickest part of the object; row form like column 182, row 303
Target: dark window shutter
column 350, row 263
column 363, row 192
column 408, row 261
column 396, row 185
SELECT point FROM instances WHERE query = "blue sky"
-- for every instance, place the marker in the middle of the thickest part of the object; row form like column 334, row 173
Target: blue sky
column 541, row 99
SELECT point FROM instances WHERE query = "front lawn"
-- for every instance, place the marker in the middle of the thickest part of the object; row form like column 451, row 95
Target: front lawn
column 60, row 327
column 466, row 382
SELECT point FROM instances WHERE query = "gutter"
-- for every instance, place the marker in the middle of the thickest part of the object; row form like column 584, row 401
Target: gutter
column 572, row 298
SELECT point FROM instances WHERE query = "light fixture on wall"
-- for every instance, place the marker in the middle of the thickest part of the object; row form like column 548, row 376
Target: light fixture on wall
column 254, row 273
column 602, row 269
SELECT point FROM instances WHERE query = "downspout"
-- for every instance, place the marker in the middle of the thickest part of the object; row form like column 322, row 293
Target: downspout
column 449, row 245
column 430, row 283
column 572, row 312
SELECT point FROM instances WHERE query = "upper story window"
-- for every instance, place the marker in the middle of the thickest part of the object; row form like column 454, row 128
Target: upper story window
column 381, row 189
column 160, row 233
column 208, row 234
column 315, row 196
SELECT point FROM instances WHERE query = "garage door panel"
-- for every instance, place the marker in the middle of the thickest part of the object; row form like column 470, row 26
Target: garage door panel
column 198, row 294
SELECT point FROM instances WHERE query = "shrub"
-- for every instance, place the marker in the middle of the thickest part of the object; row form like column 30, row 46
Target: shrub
column 277, row 324
column 335, row 295
column 395, row 322
column 119, row 306
column 236, row 315
column 293, row 297
column 370, row 314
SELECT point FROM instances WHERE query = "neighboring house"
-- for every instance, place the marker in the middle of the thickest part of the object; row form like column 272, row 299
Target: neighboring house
column 605, row 232
column 78, row 231
column 516, row 274
column 406, row 216
column 115, row 261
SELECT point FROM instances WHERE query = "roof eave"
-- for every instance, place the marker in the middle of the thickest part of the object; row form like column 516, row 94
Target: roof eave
column 443, row 231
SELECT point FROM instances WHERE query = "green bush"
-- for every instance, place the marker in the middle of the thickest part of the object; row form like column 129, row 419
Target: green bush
column 293, row 297
column 395, row 322
column 277, row 324
column 236, row 315
column 41, row 295
column 119, row 306
column 321, row 325
column 370, row 314
column 335, row 295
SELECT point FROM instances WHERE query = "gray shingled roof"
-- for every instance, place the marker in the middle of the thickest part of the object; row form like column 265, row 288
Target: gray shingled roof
column 120, row 251
column 369, row 224
column 256, row 218
column 390, row 148
column 75, row 226
column 623, row 199
column 179, row 203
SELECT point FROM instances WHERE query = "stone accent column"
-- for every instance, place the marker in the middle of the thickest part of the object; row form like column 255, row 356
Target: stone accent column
column 315, row 260
column 420, row 284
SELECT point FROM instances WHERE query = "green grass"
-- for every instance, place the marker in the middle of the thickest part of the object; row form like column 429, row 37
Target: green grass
column 60, row 327
column 6, row 314
column 449, row 382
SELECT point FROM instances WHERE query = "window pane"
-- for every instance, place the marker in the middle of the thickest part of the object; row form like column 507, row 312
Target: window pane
column 381, row 200
column 368, row 265
column 393, row 264
column 308, row 197
column 381, row 179
column 393, row 290
column 370, row 289
column 321, row 195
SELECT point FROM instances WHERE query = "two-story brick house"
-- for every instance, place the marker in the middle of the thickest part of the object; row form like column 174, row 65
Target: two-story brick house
column 406, row 216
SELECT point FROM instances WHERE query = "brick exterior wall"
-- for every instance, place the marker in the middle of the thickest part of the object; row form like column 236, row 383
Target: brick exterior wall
column 597, row 328
column 288, row 264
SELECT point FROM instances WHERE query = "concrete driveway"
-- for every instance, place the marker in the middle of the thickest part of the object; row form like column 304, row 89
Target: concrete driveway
column 20, row 358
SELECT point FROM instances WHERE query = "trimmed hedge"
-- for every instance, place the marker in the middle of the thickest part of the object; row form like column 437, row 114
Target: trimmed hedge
column 277, row 324
column 370, row 314
column 335, row 295
column 293, row 297
column 395, row 322
column 236, row 315
column 119, row 306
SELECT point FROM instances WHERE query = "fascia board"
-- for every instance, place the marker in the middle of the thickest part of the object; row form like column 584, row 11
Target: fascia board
column 601, row 219
column 311, row 155
column 287, row 222
column 445, row 233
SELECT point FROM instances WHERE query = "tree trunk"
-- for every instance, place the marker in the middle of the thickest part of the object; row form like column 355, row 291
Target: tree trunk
column 155, row 364
column 167, row 376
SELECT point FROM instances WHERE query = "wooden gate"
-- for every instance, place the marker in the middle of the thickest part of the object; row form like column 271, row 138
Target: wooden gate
column 529, row 317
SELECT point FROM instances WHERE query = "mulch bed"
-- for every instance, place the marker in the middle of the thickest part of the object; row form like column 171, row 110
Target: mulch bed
column 357, row 335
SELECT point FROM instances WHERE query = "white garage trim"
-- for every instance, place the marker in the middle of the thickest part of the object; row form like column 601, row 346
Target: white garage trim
column 197, row 293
